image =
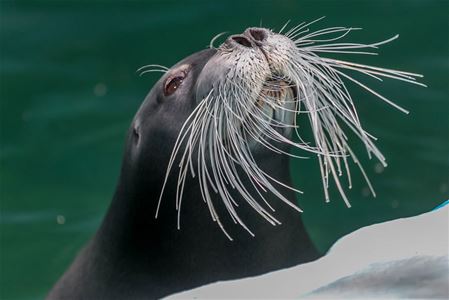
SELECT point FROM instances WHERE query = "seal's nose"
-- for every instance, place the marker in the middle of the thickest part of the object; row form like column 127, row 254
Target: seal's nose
column 241, row 40
column 252, row 37
column 257, row 34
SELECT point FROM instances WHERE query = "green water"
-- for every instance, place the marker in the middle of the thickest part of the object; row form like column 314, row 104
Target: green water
column 69, row 91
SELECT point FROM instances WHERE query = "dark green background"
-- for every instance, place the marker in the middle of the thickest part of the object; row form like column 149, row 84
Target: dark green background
column 69, row 91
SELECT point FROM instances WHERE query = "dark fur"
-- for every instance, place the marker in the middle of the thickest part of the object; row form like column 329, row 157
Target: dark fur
column 135, row 256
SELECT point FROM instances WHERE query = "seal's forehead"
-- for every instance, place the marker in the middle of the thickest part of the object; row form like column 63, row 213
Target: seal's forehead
column 196, row 60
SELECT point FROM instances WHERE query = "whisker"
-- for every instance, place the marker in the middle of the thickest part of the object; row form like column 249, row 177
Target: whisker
column 243, row 112
column 211, row 44
column 152, row 66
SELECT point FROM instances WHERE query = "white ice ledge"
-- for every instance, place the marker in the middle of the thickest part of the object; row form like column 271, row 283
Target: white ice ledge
column 403, row 258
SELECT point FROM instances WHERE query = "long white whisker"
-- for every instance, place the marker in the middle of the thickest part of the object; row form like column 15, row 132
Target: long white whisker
column 248, row 111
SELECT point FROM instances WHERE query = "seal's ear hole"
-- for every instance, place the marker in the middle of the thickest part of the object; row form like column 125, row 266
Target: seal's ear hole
column 136, row 135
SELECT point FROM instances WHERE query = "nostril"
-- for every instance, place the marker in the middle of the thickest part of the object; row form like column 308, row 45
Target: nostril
column 242, row 40
column 258, row 34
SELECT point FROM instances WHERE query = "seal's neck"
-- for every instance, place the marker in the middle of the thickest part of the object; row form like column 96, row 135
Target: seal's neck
column 198, row 252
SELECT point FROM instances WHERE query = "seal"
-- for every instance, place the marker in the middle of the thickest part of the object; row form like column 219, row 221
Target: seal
column 213, row 138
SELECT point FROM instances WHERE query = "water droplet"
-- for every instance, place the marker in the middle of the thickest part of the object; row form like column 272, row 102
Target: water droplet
column 379, row 168
column 366, row 191
column 395, row 204
column 100, row 89
column 60, row 219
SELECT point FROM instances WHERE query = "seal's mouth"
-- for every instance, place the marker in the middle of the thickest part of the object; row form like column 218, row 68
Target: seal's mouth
column 278, row 91
column 278, row 101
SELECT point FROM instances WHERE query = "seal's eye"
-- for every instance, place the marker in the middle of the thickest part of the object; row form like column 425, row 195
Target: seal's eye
column 172, row 84
column 175, row 79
